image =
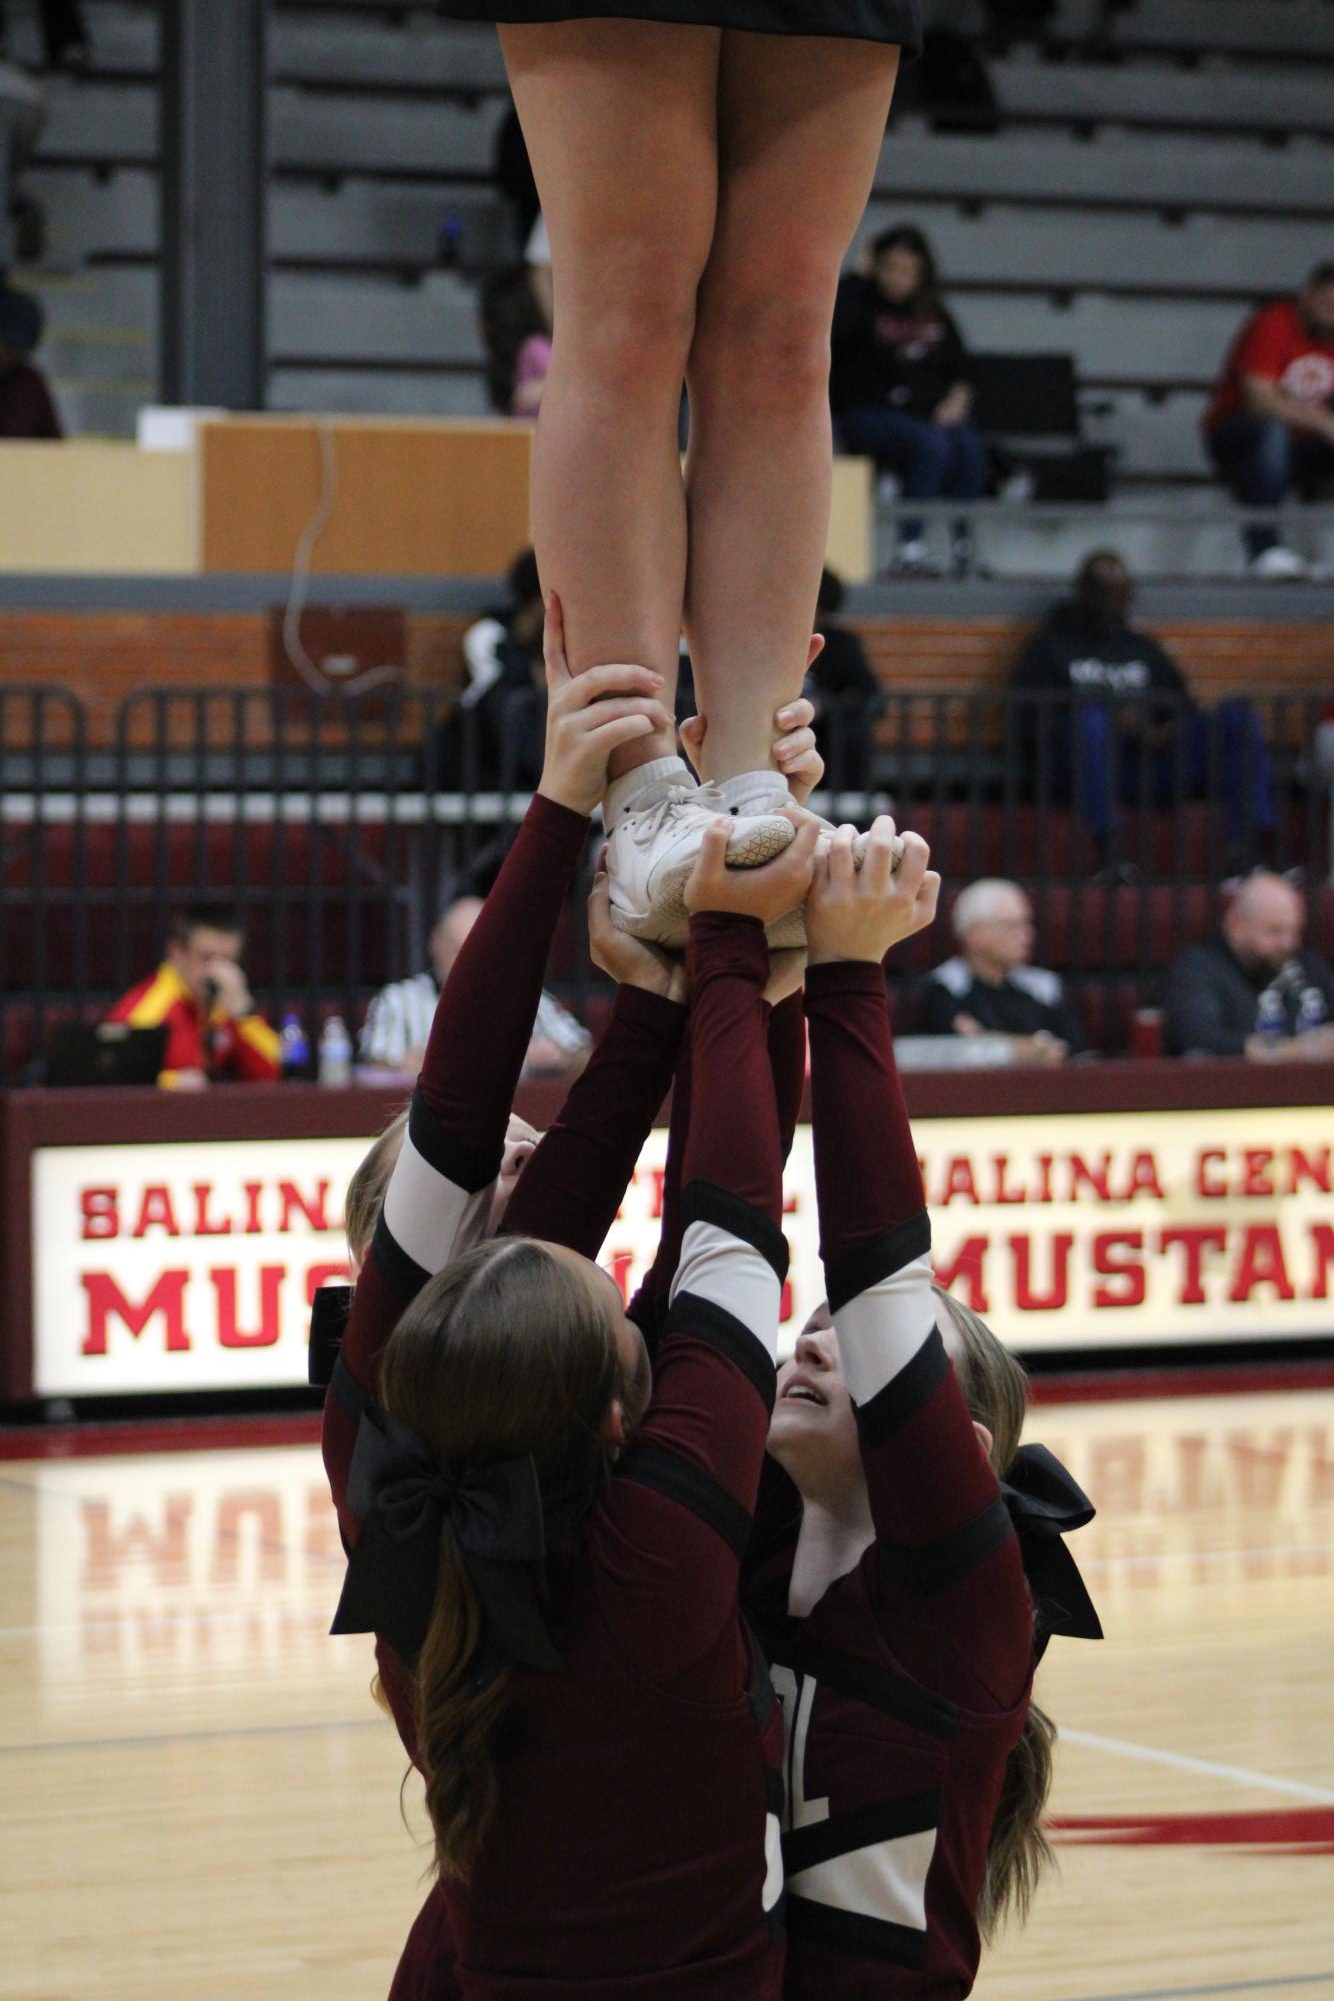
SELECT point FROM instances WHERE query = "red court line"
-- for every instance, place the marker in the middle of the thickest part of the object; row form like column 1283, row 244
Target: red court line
column 1223, row 1379
column 158, row 1434
column 102, row 1437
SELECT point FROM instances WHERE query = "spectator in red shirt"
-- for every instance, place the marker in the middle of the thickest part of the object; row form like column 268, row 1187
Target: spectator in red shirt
column 26, row 408
column 1270, row 426
column 202, row 995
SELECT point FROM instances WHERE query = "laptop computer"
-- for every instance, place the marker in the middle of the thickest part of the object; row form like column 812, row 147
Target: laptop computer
column 104, row 1052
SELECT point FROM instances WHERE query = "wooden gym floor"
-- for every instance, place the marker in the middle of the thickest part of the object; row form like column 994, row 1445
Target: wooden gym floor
column 199, row 1802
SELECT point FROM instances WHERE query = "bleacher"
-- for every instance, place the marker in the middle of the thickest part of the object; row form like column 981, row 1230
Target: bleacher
column 149, row 753
column 1158, row 168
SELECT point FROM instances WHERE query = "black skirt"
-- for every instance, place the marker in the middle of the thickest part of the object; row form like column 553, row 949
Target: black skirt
column 854, row 20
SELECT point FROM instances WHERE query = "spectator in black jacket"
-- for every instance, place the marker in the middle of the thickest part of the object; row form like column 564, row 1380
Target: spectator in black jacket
column 847, row 696
column 991, row 989
column 1251, row 990
column 494, row 738
column 901, row 384
column 1130, row 732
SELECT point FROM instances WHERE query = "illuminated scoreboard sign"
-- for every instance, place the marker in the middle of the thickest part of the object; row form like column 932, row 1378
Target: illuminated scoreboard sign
column 191, row 1266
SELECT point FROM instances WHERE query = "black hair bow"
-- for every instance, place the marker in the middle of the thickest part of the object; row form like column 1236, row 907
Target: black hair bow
column 329, row 1312
column 1046, row 1503
column 403, row 1499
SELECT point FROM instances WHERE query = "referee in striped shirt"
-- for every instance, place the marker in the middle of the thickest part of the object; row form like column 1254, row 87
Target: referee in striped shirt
column 398, row 1020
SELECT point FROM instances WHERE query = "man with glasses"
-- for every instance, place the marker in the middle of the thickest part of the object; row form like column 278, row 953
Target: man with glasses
column 990, row 988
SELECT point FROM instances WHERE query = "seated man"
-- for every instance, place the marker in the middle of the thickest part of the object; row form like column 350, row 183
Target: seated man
column 1251, row 990
column 1270, row 426
column 201, row 993
column 991, row 989
column 398, row 1020
column 1130, row 732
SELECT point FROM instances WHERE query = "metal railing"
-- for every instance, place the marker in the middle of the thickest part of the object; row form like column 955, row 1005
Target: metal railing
column 336, row 827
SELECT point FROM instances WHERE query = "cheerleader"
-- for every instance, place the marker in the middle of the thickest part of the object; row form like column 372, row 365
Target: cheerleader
column 907, row 1566
column 908, row 1542
column 543, row 1627
column 702, row 166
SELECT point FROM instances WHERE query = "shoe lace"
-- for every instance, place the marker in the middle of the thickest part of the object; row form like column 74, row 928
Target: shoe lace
column 649, row 825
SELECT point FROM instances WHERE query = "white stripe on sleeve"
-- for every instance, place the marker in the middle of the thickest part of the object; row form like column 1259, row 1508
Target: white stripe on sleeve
column 428, row 1215
column 719, row 1267
column 881, row 1330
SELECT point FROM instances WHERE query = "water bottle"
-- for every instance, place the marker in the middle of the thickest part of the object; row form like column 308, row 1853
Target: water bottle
column 294, row 1047
column 1311, row 1011
column 335, row 1052
column 1271, row 1018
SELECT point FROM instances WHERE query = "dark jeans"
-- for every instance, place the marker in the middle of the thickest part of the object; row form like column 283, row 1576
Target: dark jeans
column 934, row 461
column 1262, row 459
column 1102, row 768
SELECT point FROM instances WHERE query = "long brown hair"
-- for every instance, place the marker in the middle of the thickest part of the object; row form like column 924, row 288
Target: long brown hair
column 508, row 1351
column 1018, row 1852
column 369, row 1184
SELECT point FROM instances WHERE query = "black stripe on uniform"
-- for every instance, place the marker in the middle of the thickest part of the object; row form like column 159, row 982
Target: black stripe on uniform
column 348, row 1390
column 705, row 1202
column 866, row 1681
column 935, row 1565
column 468, row 1167
column 861, row 1827
column 855, row 1932
column 329, row 1312
column 904, row 1394
column 704, row 1320
column 680, row 1480
column 400, row 1271
column 879, row 1257
column 761, row 1691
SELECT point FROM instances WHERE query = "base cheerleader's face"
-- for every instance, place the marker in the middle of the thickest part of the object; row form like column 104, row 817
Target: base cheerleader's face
column 813, row 1430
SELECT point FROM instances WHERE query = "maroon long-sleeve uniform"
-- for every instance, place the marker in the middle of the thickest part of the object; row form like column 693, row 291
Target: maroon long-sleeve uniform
column 635, row 1851
column 908, row 1683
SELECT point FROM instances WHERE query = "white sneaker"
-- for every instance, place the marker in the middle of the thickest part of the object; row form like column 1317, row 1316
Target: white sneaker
column 655, row 818
column 764, row 792
column 1278, row 563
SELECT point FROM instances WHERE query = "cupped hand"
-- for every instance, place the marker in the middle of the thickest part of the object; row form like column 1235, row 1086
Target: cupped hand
column 631, row 962
column 862, row 914
column 590, row 715
column 768, row 892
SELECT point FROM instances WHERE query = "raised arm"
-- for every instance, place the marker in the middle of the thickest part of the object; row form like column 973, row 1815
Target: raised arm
column 787, row 1061
column 679, row 1517
column 576, row 1180
column 439, row 1197
column 941, row 1525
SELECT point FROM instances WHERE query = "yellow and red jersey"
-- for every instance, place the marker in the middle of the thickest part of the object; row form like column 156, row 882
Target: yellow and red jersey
column 242, row 1051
